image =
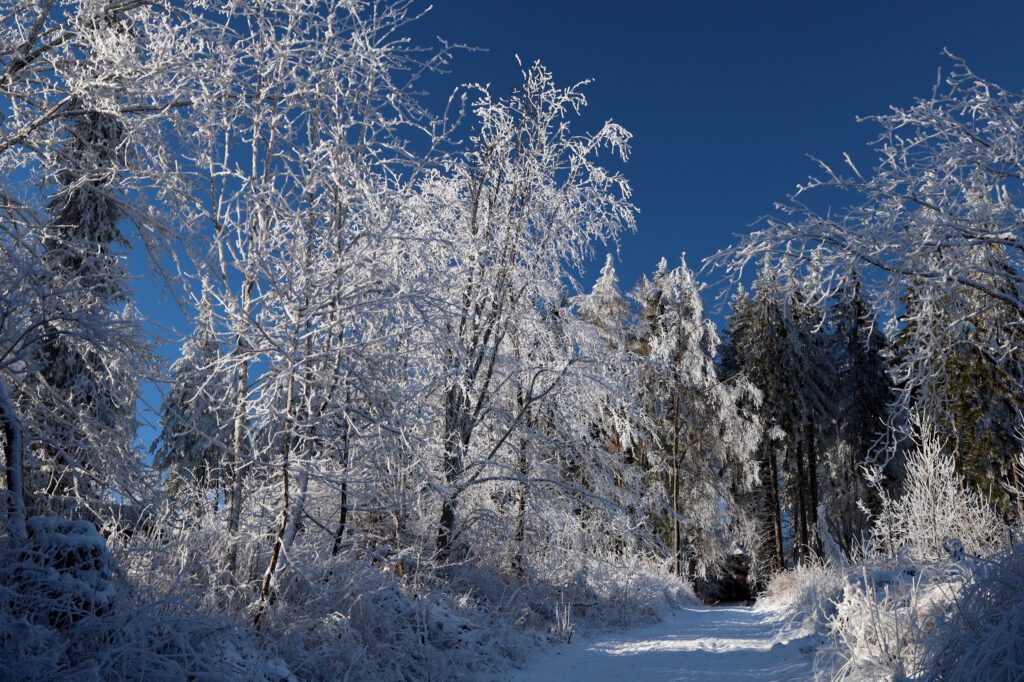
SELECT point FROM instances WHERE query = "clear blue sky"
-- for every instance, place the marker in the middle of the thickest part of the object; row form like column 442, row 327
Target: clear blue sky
column 727, row 99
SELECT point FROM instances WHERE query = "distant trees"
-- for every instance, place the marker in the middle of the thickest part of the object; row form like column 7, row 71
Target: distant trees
column 861, row 398
column 819, row 364
column 195, row 416
column 941, row 208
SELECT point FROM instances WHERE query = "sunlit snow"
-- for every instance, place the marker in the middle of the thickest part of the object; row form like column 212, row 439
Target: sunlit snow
column 702, row 643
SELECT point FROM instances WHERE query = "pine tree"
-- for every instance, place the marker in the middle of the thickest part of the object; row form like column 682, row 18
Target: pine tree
column 862, row 397
column 776, row 340
column 605, row 307
column 196, row 415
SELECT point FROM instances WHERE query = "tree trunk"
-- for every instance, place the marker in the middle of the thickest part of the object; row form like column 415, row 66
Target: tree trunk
column 298, row 509
column 812, row 489
column 521, row 492
column 773, row 465
column 14, row 462
column 308, row 443
column 238, row 437
column 800, row 549
column 275, row 552
column 1018, row 492
column 346, row 439
column 456, row 439
column 677, row 549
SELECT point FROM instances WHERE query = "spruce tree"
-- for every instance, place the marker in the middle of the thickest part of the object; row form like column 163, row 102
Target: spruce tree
column 196, row 415
column 79, row 400
column 861, row 402
column 704, row 436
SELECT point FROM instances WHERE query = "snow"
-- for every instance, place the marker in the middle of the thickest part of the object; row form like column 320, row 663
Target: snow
column 698, row 643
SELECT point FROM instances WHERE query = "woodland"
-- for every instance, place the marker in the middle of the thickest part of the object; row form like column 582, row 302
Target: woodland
column 402, row 438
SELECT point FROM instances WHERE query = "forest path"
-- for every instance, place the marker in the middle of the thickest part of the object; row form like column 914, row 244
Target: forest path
column 696, row 643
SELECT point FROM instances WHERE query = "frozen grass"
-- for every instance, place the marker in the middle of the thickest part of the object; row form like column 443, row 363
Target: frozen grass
column 945, row 621
column 160, row 607
column 883, row 620
column 467, row 622
column 983, row 638
column 807, row 592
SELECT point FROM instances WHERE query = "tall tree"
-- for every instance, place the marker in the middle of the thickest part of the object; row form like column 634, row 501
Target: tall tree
column 519, row 209
column 705, row 430
column 861, row 398
column 81, row 102
column 776, row 339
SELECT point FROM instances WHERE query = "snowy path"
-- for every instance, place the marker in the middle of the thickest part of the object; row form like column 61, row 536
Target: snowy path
column 700, row 643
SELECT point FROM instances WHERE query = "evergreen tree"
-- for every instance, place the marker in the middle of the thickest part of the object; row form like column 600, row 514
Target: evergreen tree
column 861, row 400
column 953, row 372
column 605, row 307
column 776, row 339
column 79, row 401
column 196, row 415
column 704, row 435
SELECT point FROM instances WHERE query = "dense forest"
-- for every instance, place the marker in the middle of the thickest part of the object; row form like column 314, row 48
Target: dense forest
column 403, row 438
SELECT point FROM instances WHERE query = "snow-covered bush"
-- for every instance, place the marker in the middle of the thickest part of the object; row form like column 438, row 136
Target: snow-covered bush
column 937, row 514
column 68, row 613
column 66, row 566
column 807, row 591
column 983, row 637
column 926, row 546
column 883, row 621
column 356, row 619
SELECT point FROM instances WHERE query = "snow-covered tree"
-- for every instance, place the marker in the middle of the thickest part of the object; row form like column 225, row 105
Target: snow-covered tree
column 515, row 213
column 300, row 181
column 81, row 102
column 706, row 431
column 970, row 397
column 195, row 416
column 938, row 215
column 776, row 339
column 605, row 307
column 936, row 515
column 82, row 404
column 860, row 402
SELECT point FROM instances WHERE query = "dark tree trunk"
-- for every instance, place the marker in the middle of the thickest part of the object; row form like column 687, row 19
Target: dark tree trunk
column 346, row 440
column 275, row 551
column 13, row 461
column 800, row 549
column 456, row 440
column 778, row 558
column 812, row 489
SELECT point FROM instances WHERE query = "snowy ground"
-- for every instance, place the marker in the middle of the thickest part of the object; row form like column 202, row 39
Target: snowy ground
column 701, row 643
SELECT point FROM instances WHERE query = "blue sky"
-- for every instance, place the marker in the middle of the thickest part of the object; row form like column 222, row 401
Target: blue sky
column 727, row 99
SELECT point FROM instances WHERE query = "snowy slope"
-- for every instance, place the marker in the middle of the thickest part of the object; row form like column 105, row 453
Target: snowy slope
column 700, row 643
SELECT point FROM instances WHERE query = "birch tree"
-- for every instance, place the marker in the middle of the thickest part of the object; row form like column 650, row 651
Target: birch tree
column 519, row 210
